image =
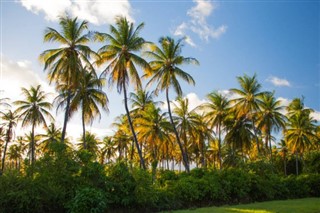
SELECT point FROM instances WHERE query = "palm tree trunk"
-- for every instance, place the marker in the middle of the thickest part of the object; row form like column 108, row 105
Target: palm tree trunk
column 255, row 135
column 131, row 127
column 297, row 164
column 219, row 146
column 83, row 131
column 32, row 144
column 285, row 164
column 66, row 116
column 184, row 156
column 8, row 138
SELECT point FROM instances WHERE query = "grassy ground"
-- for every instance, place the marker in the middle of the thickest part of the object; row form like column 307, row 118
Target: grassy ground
column 307, row 205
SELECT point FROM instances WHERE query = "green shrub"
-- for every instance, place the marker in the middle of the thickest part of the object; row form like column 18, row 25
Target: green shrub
column 122, row 185
column 88, row 200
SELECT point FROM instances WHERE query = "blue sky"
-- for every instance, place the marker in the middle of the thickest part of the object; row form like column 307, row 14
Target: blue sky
column 277, row 40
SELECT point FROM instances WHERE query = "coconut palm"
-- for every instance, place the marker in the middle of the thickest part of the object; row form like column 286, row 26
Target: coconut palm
column 52, row 135
column 140, row 100
column 89, row 97
column 92, row 143
column 239, row 135
column 9, row 119
column 166, row 71
column 247, row 104
column 299, row 134
column 33, row 111
column 107, row 151
column 154, row 129
column 216, row 110
column 121, row 55
column 270, row 118
column 65, row 64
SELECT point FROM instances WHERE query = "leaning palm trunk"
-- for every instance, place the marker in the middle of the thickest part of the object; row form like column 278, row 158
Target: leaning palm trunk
column 66, row 116
column 184, row 156
column 131, row 127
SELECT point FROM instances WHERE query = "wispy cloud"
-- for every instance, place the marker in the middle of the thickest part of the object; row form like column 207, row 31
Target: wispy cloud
column 279, row 82
column 197, row 24
column 94, row 11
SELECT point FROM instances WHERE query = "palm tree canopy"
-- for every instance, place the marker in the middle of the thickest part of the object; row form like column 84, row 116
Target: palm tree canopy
column 165, row 66
column 121, row 55
column 65, row 63
column 89, row 97
column 249, row 95
column 34, row 108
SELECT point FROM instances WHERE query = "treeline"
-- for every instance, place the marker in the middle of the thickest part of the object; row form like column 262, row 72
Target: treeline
column 72, row 181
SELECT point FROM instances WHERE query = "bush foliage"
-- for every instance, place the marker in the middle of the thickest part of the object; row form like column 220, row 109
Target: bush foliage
column 68, row 182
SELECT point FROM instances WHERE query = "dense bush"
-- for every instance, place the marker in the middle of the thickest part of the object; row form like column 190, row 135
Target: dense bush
column 73, row 182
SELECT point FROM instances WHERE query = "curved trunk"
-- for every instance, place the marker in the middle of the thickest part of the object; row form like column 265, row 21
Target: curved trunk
column 66, row 116
column 184, row 156
column 131, row 127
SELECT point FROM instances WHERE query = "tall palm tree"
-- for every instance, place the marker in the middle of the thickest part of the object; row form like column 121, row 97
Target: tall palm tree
column 140, row 100
column 89, row 97
column 166, row 72
column 65, row 64
column 216, row 110
column 33, row 111
column 121, row 54
column 10, row 119
column 247, row 104
column 270, row 118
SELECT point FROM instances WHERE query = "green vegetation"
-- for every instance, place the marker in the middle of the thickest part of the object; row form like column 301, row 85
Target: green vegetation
column 229, row 142
column 308, row 205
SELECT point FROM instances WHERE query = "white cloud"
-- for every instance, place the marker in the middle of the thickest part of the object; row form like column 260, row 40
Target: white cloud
column 95, row 11
column 198, row 22
column 19, row 74
column 279, row 82
column 316, row 115
column 193, row 98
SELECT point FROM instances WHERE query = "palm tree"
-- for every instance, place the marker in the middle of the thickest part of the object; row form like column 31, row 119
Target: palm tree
column 249, row 100
column 92, row 143
column 65, row 64
column 166, row 72
column 140, row 100
column 299, row 134
column 33, row 111
column 89, row 97
column 107, row 150
column 239, row 135
column 52, row 135
column 154, row 129
column 10, row 119
column 270, row 118
column 216, row 110
column 120, row 53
